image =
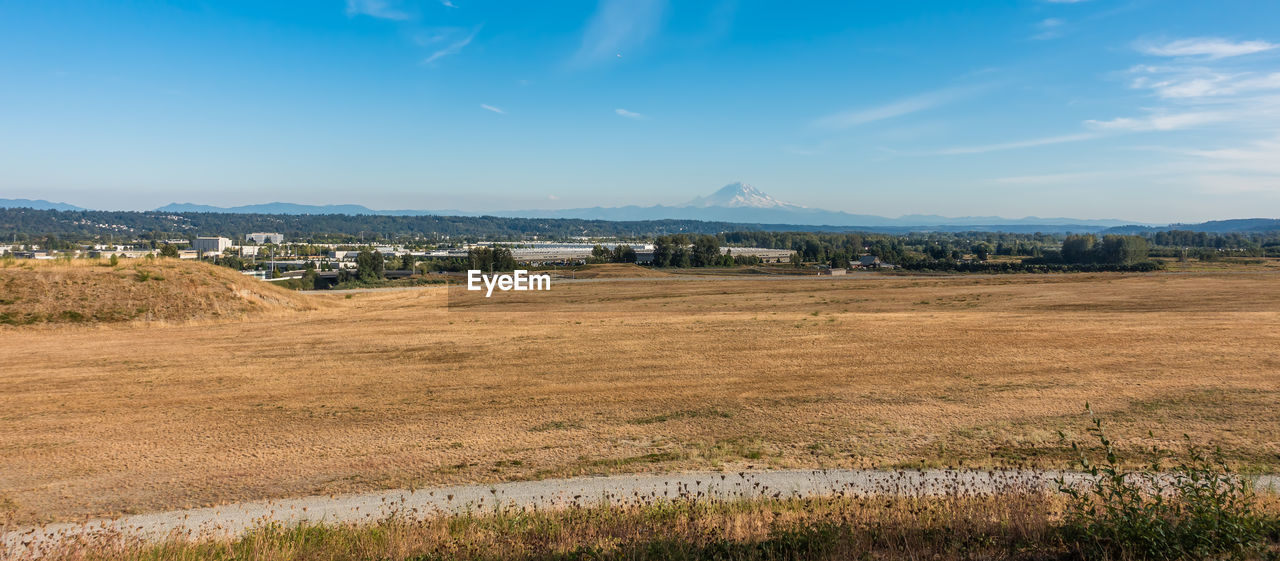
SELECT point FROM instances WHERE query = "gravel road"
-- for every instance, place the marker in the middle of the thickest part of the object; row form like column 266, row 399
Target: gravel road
column 234, row 519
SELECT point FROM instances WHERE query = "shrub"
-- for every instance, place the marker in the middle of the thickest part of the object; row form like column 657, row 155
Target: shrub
column 1198, row 510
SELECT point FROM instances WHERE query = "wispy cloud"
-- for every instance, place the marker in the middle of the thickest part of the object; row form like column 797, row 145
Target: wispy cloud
column 618, row 25
column 905, row 106
column 630, row 114
column 1050, row 28
column 1178, row 82
column 452, row 48
column 1208, row 47
column 984, row 148
column 1065, row 1
column 380, row 9
column 487, row 107
column 447, row 4
column 1161, row 122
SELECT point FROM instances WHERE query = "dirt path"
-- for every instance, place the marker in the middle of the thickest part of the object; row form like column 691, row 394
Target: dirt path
column 234, row 519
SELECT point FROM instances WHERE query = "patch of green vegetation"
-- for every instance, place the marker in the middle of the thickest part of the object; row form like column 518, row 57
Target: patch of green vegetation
column 685, row 414
column 556, row 425
column 72, row 316
column 651, row 458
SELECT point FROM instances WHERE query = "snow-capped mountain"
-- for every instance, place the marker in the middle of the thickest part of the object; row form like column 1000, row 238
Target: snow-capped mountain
column 735, row 202
column 740, row 195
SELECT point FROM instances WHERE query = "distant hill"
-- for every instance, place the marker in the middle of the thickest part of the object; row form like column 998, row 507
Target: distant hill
column 1234, row 226
column 735, row 202
column 270, row 208
column 38, row 204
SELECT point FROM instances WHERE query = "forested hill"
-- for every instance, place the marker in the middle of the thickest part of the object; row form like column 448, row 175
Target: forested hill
column 27, row 223
column 1237, row 226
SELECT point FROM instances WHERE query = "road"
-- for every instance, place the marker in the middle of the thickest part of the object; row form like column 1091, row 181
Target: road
column 234, row 519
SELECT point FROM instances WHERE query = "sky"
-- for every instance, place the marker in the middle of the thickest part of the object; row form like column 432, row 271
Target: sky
column 1143, row 110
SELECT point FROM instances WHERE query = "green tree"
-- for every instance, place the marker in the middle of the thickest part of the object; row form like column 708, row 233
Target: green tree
column 369, row 266
column 600, row 254
column 1122, row 250
column 982, row 251
column 1078, row 248
column 706, row 251
column 169, row 250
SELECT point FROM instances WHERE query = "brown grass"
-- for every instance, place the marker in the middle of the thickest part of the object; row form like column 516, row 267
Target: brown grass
column 93, row 291
column 617, row 270
column 393, row 389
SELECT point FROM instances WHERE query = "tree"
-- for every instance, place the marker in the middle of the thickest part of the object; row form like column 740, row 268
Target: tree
column 169, row 250
column 680, row 258
column 369, row 266
column 600, row 254
column 662, row 249
column 706, row 251
column 796, row 260
column 624, row 253
column 1122, row 250
column 1078, row 249
column 982, row 251
column 310, row 279
column 839, row 260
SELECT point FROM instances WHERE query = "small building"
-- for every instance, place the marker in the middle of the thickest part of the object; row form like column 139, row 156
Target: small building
column 834, row 271
column 206, row 244
column 869, row 262
column 265, row 237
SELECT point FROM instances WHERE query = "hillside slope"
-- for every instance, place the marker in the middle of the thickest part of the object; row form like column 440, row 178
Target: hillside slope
column 90, row 291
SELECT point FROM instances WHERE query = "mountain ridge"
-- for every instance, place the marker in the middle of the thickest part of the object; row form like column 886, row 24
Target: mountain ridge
column 38, row 204
column 735, row 202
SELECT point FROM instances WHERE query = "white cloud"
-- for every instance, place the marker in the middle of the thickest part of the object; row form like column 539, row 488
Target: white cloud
column 982, row 149
column 447, row 4
column 1050, row 28
column 380, row 9
column 617, row 25
column 492, row 108
column 1196, row 82
column 452, row 49
column 629, row 114
column 1210, row 47
column 905, row 106
column 1161, row 122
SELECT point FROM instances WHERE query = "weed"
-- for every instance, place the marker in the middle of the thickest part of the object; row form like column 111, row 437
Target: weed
column 1200, row 510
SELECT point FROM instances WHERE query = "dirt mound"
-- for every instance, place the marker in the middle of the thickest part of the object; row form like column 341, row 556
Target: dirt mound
column 84, row 291
column 616, row 271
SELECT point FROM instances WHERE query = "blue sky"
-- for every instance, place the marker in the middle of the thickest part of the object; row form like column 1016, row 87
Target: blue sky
column 1143, row 110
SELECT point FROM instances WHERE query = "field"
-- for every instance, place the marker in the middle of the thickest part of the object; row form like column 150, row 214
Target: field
column 397, row 389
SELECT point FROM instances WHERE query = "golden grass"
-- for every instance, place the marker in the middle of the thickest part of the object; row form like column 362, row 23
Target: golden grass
column 617, row 270
column 394, row 389
column 94, row 291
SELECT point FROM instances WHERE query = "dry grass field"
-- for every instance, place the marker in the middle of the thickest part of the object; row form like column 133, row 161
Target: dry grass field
column 85, row 291
column 396, row 389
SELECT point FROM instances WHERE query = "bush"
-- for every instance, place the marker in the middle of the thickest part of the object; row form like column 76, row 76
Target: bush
column 1200, row 510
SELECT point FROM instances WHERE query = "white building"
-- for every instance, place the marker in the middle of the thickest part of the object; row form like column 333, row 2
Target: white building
column 265, row 237
column 210, row 244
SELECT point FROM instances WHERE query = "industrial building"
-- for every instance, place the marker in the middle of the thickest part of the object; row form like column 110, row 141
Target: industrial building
column 265, row 237
column 204, row 245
